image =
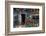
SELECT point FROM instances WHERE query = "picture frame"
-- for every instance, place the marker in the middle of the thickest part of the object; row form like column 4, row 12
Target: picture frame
column 10, row 5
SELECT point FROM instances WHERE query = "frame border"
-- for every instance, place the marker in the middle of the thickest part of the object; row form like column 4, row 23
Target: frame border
column 7, row 18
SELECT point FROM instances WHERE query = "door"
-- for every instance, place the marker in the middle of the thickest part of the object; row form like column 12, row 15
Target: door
column 23, row 18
